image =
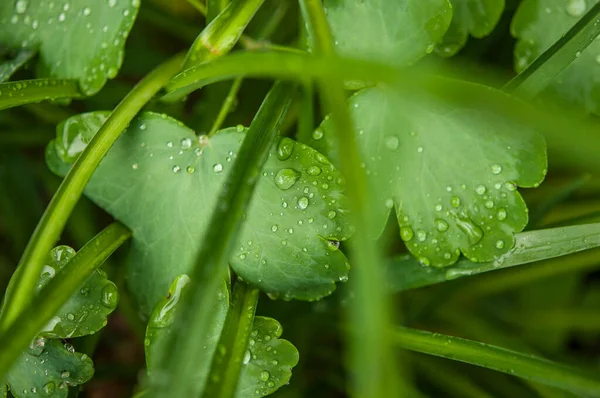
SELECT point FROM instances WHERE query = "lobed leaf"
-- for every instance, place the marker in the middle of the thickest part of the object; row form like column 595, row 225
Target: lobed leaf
column 86, row 311
column 398, row 32
column 48, row 368
column 537, row 25
column 161, row 181
column 76, row 39
column 450, row 170
column 469, row 17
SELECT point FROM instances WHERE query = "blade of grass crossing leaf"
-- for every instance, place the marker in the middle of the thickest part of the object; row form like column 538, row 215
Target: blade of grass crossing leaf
column 375, row 373
column 52, row 223
column 176, row 361
column 529, row 83
column 227, row 104
column 227, row 364
column 405, row 272
column 529, row 367
column 30, row 91
column 43, row 307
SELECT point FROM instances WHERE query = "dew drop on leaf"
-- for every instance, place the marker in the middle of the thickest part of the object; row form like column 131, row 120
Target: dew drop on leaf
column 314, row 170
column 303, row 202
column 468, row 227
column 286, row 178
column 264, row 375
column 576, row 8
column 501, row 214
column 496, row 169
column 176, row 169
column 217, row 168
column 49, row 388
column 500, row 244
column 110, row 296
column 392, row 143
column 285, row 148
column 317, row 134
column 406, row 233
column 441, row 225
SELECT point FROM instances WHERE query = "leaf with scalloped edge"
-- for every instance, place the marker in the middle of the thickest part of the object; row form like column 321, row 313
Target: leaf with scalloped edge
column 76, row 39
column 162, row 181
column 47, row 369
column 399, row 32
column 163, row 316
column 86, row 311
column 451, row 172
column 540, row 23
column 469, row 17
column 268, row 362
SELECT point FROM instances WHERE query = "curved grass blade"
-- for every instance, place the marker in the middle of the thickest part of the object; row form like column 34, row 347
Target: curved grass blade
column 405, row 272
column 52, row 297
column 176, row 361
column 529, row 83
column 526, row 366
column 8, row 68
column 31, row 91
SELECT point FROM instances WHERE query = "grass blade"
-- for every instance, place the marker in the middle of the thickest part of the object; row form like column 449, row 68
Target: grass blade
column 30, row 91
column 529, row 367
column 43, row 307
column 176, row 362
column 529, row 83
column 405, row 272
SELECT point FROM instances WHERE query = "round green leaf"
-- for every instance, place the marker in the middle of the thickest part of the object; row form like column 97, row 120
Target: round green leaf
column 47, row 369
column 450, row 172
column 163, row 316
column 86, row 311
column 268, row 362
column 162, row 181
column 469, row 17
column 537, row 25
column 399, row 32
column 77, row 39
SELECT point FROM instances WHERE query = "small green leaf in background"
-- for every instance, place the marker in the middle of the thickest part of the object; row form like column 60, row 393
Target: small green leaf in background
column 47, row 369
column 537, row 24
column 86, row 312
column 9, row 67
column 469, row 17
column 450, row 172
column 399, row 32
column 77, row 39
column 159, row 326
column 269, row 361
column 161, row 181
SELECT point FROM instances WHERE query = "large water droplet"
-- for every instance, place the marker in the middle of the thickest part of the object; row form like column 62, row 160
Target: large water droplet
column 500, row 244
column 110, row 296
column 455, row 201
column 176, row 169
column 186, row 143
column 303, row 202
column 496, row 169
column 576, row 8
column 49, row 388
column 217, row 168
column 501, row 215
column 333, row 245
column 392, row 143
column 317, row 134
column 421, row 235
column 314, row 170
column 406, row 233
column 264, row 375
column 480, row 189
column 473, row 232
column 285, row 148
column 286, row 178
column 441, row 225
column 21, row 6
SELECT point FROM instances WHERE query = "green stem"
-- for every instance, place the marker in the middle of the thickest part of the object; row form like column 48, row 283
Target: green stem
column 53, row 296
column 529, row 367
column 51, row 225
column 176, row 361
column 375, row 372
column 29, row 91
column 223, row 32
column 236, row 334
column 529, row 83
column 226, row 107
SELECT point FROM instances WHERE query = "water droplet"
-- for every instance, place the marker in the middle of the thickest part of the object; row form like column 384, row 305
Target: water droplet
column 333, row 245
column 190, row 169
column 489, row 204
column 110, row 295
column 438, row 207
column 264, row 375
column 65, row 374
column 425, row 261
column 170, row 144
column 576, row 8
column 176, row 169
column 500, row 244
column 314, row 170
column 87, row 11
column 303, row 202
column 217, row 168
column 406, row 233
column 285, row 148
column 317, row 134
column 286, row 178
column 392, row 143
column 474, row 233
column 501, row 215
column 496, row 169
column 441, row 225
column 274, row 228
column 480, row 189
column 49, row 388
column 510, row 186
column 331, row 215
column 21, row 6
column 239, row 128
column 420, row 149
column 134, row 166
column 455, row 201
column 70, row 317
column 389, row 203
column 186, row 143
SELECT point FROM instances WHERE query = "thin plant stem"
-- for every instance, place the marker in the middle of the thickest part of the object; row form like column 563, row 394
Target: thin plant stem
column 226, row 107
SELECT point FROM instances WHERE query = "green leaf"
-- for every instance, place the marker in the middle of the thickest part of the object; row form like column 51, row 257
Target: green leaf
column 161, row 321
column 405, row 272
column 47, row 369
column 87, row 310
column 399, row 32
column 160, row 177
column 469, row 17
column 29, row 91
column 538, row 25
column 77, row 39
column 8, row 68
column 269, row 361
column 449, row 169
